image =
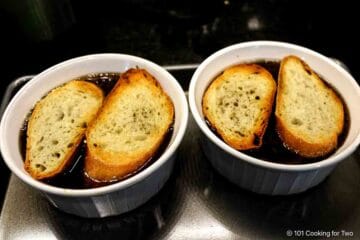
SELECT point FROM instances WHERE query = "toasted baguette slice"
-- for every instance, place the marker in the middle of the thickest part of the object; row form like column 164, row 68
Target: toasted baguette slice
column 57, row 126
column 238, row 105
column 130, row 127
column 309, row 114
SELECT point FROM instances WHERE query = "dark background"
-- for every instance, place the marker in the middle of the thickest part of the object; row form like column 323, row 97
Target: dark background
column 38, row 34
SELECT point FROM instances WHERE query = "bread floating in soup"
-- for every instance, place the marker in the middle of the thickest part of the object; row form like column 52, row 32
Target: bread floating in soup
column 129, row 128
column 276, row 111
column 97, row 129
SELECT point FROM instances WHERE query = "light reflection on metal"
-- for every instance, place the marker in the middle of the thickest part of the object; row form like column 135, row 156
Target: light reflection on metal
column 215, row 24
column 159, row 218
column 254, row 23
column 208, row 230
column 181, row 67
column 205, row 29
column 197, row 220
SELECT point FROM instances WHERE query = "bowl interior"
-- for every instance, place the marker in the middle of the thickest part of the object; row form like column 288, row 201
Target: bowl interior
column 36, row 88
column 275, row 51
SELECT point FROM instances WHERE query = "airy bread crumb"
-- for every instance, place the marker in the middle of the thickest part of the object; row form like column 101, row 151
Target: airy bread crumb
column 309, row 114
column 130, row 127
column 57, row 125
column 238, row 105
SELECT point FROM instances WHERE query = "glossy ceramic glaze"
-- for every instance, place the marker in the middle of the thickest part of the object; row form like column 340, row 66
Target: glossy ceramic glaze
column 255, row 174
column 112, row 199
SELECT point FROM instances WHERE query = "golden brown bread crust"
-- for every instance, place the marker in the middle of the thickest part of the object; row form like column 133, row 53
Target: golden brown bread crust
column 90, row 88
column 104, row 169
column 105, row 165
column 259, row 98
column 61, row 167
column 301, row 146
column 294, row 140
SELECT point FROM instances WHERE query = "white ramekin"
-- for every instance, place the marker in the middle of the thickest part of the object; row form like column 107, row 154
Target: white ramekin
column 108, row 200
column 254, row 174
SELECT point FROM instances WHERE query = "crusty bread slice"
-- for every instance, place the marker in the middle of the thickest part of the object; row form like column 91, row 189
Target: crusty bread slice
column 57, row 125
column 309, row 114
column 130, row 127
column 238, row 105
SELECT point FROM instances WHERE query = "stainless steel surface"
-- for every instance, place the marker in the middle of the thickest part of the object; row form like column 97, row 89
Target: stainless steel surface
column 11, row 89
column 197, row 203
column 181, row 67
column 24, row 214
column 341, row 63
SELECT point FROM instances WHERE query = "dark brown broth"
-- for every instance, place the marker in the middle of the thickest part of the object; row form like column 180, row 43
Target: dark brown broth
column 74, row 176
column 272, row 149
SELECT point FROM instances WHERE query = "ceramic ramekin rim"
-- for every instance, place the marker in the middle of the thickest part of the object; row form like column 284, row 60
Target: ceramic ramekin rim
column 5, row 149
column 258, row 162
